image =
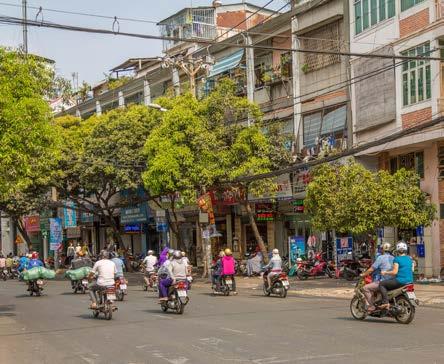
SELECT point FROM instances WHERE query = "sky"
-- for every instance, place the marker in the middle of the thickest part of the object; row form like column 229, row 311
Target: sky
column 92, row 55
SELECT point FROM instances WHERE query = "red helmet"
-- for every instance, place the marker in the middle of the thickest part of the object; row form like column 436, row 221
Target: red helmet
column 35, row 255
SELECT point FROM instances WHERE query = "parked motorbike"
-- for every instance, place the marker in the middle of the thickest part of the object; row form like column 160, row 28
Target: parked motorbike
column 121, row 288
column 177, row 298
column 153, row 283
column 13, row 273
column 225, row 286
column 4, row 274
column 403, row 303
column 80, row 285
column 35, row 287
column 351, row 268
column 315, row 268
column 279, row 284
column 106, row 296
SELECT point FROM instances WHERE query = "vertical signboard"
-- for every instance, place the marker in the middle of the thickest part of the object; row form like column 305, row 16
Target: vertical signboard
column 55, row 233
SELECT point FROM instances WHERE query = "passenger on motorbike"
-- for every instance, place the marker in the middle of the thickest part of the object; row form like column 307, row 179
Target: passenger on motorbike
column 275, row 266
column 119, row 264
column 217, row 270
column 383, row 262
column 9, row 263
column 106, row 271
column 177, row 270
column 149, row 263
column 402, row 270
column 34, row 261
column 23, row 262
column 229, row 267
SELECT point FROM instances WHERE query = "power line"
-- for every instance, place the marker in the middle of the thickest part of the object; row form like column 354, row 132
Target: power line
column 33, row 23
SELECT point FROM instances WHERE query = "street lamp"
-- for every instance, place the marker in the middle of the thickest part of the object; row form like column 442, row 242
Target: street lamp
column 157, row 107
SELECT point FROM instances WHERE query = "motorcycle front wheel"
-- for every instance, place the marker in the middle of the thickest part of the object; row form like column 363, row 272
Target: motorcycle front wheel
column 349, row 276
column 283, row 292
column 266, row 292
column 357, row 309
column 408, row 311
column 301, row 275
column 120, row 295
column 179, row 306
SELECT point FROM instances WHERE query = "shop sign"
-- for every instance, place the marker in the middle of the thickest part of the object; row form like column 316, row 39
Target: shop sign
column 69, row 215
column 73, row 232
column 161, row 226
column 265, row 216
column 226, row 197
column 298, row 206
column 343, row 247
column 420, row 250
column 296, row 248
column 44, row 220
column 300, row 181
column 264, row 211
column 132, row 228
column 205, row 203
column 32, row 224
column 56, row 233
column 87, row 217
column 283, row 190
column 134, row 214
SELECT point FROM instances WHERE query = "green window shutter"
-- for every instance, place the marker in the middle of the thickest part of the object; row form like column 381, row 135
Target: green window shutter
column 365, row 14
column 421, row 84
column 428, row 82
column 413, row 86
column 358, row 17
column 374, row 12
column 405, row 89
column 381, row 10
column 390, row 9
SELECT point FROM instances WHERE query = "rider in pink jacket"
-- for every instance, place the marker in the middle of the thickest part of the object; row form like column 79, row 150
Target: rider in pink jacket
column 229, row 267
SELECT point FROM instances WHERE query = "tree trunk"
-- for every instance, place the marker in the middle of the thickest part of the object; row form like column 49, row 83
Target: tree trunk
column 23, row 232
column 258, row 237
column 116, row 232
column 175, row 227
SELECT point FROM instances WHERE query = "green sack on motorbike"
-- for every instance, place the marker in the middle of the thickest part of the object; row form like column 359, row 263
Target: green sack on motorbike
column 32, row 274
column 47, row 273
column 77, row 274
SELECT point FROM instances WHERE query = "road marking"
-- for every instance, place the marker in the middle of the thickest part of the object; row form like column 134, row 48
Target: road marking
column 272, row 360
column 215, row 341
column 160, row 355
column 162, row 316
column 232, row 330
column 88, row 360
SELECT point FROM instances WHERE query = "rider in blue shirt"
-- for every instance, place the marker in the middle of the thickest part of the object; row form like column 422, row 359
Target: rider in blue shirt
column 34, row 262
column 23, row 262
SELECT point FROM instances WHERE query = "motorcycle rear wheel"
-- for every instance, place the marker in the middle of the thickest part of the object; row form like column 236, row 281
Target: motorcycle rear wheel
column 164, row 307
column 120, row 296
column 409, row 311
column 348, row 276
column 301, row 275
column 96, row 313
column 357, row 309
column 283, row 292
column 266, row 292
column 109, row 313
column 179, row 306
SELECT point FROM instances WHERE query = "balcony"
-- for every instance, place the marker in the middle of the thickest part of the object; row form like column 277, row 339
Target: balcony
column 198, row 23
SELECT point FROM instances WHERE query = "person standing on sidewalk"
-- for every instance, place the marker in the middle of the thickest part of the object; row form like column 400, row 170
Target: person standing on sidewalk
column 70, row 252
column 384, row 262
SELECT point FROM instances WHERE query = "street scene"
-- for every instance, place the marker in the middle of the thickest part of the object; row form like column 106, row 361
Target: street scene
column 221, row 181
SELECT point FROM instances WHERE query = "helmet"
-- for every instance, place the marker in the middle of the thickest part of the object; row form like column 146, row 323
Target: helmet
column 299, row 260
column 401, row 247
column 170, row 251
column 150, row 252
column 29, row 255
column 386, row 247
column 221, row 254
column 275, row 251
column 104, row 254
column 35, row 255
column 183, row 254
column 227, row 251
column 177, row 254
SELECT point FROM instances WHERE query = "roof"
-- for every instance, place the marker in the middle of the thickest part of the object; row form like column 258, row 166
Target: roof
column 133, row 63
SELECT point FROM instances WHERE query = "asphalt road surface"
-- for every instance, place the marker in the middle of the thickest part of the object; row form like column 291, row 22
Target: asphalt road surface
column 248, row 328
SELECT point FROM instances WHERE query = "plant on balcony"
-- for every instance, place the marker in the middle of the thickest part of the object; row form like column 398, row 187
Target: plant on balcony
column 285, row 65
column 114, row 83
column 305, row 68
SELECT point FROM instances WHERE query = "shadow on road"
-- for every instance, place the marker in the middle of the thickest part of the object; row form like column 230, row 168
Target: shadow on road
column 367, row 320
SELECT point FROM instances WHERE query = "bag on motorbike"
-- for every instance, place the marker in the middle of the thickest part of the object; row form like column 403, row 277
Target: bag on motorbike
column 47, row 273
column 32, row 274
column 77, row 274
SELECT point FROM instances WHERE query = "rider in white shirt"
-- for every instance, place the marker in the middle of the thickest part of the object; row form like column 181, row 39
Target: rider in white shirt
column 150, row 263
column 106, row 270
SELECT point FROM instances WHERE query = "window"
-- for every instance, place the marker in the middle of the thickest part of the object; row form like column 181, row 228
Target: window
column 322, row 124
column 407, row 4
column 411, row 161
column 416, row 77
column 371, row 12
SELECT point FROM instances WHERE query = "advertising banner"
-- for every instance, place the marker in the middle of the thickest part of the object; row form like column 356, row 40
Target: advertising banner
column 32, row 224
column 134, row 214
column 69, row 215
column 55, row 233
column 343, row 247
column 296, row 248
column 283, row 190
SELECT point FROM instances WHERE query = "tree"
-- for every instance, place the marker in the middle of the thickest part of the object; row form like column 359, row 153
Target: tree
column 351, row 199
column 102, row 158
column 28, row 142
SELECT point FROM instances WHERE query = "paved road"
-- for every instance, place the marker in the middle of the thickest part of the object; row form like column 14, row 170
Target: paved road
column 248, row 328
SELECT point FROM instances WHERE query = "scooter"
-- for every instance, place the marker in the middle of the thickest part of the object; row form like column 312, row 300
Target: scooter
column 279, row 284
column 403, row 303
column 106, row 296
column 177, row 298
column 4, row 274
column 316, row 268
column 121, row 288
column 80, row 285
column 225, row 286
column 153, row 283
column 35, row 287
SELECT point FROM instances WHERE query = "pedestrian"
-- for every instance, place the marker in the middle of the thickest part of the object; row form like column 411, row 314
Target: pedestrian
column 70, row 253
column 78, row 249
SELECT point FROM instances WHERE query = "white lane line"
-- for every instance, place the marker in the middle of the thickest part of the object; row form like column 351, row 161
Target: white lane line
column 232, row 330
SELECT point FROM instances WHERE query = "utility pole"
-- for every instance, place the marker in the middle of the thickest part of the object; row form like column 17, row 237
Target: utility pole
column 25, row 26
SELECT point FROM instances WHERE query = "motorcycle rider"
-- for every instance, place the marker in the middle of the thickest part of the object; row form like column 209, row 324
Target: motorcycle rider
column 177, row 270
column 402, row 271
column 2, row 263
column 150, row 263
column 383, row 262
column 275, row 266
column 9, row 263
column 229, row 267
column 119, row 264
column 34, row 261
column 217, row 270
column 23, row 262
column 106, row 271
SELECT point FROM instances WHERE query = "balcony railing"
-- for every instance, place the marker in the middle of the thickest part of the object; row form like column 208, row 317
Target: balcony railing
column 439, row 6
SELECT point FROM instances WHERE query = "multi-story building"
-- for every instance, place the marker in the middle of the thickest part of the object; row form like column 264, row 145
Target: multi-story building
column 393, row 95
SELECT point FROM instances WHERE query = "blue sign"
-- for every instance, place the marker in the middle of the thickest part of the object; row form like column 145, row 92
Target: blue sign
column 87, row 217
column 420, row 250
column 297, row 248
column 70, row 215
column 134, row 214
column 162, row 227
column 132, row 228
column 420, row 230
column 343, row 247
column 55, row 233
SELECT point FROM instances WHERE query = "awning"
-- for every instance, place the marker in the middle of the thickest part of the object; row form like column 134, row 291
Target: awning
column 227, row 63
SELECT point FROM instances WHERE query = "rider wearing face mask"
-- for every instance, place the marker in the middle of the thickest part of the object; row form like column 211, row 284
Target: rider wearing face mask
column 275, row 266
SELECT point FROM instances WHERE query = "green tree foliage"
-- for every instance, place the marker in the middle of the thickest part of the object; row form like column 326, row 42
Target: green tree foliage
column 351, row 199
column 28, row 143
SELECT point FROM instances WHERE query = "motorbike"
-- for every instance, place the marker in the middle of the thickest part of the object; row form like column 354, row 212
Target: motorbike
column 121, row 288
column 350, row 269
column 279, row 284
column 153, row 283
column 13, row 273
column 403, row 303
column 4, row 274
column 225, row 286
column 242, row 268
column 317, row 267
column 177, row 298
column 80, row 285
column 35, row 287
column 106, row 296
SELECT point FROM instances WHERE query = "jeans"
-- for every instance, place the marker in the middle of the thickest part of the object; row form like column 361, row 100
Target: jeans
column 216, row 279
column 386, row 286
column 369, row 291
column 93, row 291
column 164, row 284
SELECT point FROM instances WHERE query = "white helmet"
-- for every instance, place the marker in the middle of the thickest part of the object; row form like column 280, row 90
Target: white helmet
column 386, row 247
column 275, row 251
column 150, row 252
column 177, row 254
column 401, row 247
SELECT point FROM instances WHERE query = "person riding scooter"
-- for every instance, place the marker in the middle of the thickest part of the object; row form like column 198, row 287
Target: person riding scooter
column 275, row 267
column 177, row 270
column 150, row 263
column 217, row 270
column 34, row 261
column 106, row 271
column 229, row 267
